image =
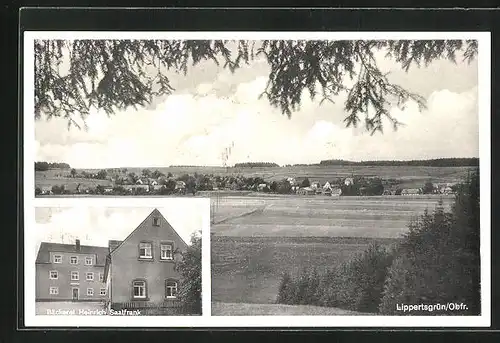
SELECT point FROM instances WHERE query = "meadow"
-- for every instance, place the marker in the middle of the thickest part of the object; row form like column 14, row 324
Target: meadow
column 256, row 239
column 57, row 177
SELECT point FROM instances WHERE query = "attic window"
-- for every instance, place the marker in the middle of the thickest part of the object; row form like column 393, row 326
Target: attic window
column 156, row 221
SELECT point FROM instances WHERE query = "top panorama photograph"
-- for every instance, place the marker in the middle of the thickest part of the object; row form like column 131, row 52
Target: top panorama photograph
column 222, row 118
column 343, row 174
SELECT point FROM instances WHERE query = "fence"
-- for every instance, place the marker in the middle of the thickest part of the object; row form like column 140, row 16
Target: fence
column 165, row 308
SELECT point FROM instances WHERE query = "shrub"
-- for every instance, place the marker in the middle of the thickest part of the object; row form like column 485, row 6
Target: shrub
column 190, row 268
column 286, row 291
column 356, row 285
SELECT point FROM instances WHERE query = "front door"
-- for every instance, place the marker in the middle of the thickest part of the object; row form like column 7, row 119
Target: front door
column 76, row 293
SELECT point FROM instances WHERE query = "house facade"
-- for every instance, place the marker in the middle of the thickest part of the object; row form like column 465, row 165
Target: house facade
column 327, row 189
column 411, row 191
column 306, row 191
column 70, row 272
column 140, row 269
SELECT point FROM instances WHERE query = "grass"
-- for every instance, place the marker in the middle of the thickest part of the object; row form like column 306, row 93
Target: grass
column 51, row 178
column 250, row 252
column 242, row 309
column 248, row 269
column 295, row 216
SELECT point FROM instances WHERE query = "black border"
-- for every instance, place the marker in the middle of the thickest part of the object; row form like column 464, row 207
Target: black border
column 64, row 19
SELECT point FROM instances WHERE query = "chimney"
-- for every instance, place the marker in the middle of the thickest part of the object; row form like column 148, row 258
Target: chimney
column 77, row 245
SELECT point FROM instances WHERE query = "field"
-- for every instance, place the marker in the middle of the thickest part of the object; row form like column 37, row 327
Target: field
column 327, row 173
column 248, row 269
column 256, row 239
column 57, row 177
column 239, row 309
column 300, row 216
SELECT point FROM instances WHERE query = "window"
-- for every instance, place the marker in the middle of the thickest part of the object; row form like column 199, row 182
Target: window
column 53, row 275
column 171, row 289
column 88, row 261
column 73, row 260
column 57, row 258
column 54, row 290
column 90, row 292
column 145, row 250
column 101, row 277
column 102, row 291
column 139, row 291
column 89, row 276
column 156, row 221
column 166, row 251
column 75, row 276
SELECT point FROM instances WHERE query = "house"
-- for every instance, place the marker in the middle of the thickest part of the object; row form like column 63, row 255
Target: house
column 446, row 190
column 180, row 186
column 108, row 189
column 141, row 268
column 306, row 191
column 70, row 272
column 46, row 190
column 387, row 192
column 327, row 189
column 315, row 185
column 261, row 187
column 336, row 191
column 349, row 181
column 139, row 182
column 411, row 191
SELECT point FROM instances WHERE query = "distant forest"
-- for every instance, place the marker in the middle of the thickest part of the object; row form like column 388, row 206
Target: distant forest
column 42, row 166
column 439, row 162
column 255, row 165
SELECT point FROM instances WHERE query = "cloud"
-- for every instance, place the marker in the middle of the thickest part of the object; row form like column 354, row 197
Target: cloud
column 194, row 127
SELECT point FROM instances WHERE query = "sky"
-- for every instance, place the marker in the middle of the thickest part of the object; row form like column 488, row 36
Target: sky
column 97, row 225
column 212, row 109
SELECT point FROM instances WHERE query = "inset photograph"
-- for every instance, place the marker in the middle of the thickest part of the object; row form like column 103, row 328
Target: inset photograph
column 118, row 260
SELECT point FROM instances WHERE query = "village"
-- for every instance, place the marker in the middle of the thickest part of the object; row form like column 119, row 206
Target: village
column 121, row 182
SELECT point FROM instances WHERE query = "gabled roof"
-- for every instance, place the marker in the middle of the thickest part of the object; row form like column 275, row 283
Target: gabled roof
column 155, row 212
column 113, row 244
column 46, row 248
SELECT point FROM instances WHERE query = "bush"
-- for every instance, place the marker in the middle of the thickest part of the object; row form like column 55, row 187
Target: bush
column 286, row 291
column 190, row 268
column 355, row 285
column 57, row 189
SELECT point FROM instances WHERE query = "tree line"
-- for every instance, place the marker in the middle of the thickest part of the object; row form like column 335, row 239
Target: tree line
column 436, row 262
column 256, row 165
column 43, row 166
column 438, row 162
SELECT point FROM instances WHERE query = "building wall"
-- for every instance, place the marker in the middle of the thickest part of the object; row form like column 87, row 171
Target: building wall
column 64, row 282
column 127, row 267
